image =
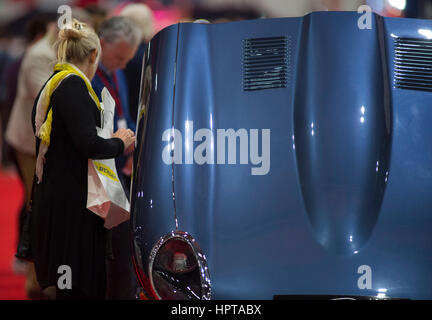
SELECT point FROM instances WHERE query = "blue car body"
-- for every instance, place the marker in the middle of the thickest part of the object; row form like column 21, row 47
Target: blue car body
column 345, row 207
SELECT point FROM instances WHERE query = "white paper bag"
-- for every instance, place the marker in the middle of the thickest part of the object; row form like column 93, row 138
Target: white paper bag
column 106, row 196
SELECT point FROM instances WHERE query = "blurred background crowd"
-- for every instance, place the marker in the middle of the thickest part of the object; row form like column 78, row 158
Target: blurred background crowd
column 27, row 29
column 24, row 22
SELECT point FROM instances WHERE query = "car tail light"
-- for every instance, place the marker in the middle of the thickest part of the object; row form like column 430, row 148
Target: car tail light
column 178, row 269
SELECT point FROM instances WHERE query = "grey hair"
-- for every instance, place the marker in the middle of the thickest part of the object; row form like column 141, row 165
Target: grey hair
column 120, row 28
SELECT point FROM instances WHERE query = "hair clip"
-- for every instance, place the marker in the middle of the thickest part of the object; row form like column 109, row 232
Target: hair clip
column 78, row 26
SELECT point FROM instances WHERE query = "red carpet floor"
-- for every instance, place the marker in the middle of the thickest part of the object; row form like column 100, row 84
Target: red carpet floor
column 11, row 197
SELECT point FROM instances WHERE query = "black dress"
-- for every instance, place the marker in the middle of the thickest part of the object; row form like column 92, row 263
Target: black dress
column 63, row 231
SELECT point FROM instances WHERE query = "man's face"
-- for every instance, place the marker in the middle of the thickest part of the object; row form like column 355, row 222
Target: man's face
column 116, row 55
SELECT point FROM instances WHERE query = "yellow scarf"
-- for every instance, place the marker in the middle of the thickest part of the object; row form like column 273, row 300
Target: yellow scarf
column 43, row 127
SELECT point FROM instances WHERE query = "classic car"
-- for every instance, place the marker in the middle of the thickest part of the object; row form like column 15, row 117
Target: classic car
column 284, row 158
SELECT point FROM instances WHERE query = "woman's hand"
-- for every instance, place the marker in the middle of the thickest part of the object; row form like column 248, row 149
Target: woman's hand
column 126, row 135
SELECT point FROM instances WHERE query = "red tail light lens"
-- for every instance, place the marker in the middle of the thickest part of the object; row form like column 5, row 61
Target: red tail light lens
column 178, row 269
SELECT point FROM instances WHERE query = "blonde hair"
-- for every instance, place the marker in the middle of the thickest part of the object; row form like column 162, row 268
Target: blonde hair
column 76, row 42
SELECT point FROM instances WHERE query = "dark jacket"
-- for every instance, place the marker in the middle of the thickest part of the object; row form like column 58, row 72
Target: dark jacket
column 63, row 231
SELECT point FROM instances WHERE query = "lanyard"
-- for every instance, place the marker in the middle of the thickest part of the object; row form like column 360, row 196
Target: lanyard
column 113, row 91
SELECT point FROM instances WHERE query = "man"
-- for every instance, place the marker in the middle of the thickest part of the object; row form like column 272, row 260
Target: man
column 142, row 15
column 119, row 38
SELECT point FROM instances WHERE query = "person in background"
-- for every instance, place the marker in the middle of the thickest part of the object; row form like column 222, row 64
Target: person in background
column 142, row 15
column 36, row 68
column 64, row 233
column 5, row 61
column 119, row 38
column 35, row 30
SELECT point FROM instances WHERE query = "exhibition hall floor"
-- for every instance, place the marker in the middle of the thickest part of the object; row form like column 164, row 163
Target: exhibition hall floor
column 11, row 195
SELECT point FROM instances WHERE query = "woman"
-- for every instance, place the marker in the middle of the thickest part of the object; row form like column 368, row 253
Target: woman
column 64, row 234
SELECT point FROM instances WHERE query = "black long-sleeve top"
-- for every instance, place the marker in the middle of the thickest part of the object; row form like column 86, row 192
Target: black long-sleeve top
column 63, row 231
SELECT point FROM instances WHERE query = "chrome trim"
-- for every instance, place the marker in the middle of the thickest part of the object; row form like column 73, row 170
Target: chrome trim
column 199, row 255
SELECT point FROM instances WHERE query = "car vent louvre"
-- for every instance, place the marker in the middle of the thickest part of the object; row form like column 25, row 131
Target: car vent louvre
column 413, row 64
column 265, row 63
